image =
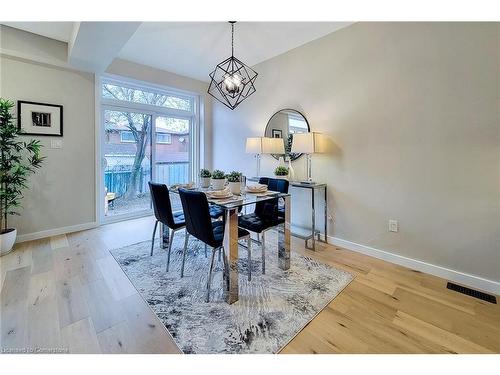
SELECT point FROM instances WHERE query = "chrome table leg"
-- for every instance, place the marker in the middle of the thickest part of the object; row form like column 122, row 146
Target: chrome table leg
column 164, row 236
column 231, row 252
column 284, row 239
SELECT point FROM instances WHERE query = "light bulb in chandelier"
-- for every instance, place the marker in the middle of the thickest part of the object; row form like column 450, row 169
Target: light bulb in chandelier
column 233, row 83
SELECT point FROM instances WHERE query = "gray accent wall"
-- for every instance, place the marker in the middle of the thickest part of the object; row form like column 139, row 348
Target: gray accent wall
column 413, row 110
column 62, row 193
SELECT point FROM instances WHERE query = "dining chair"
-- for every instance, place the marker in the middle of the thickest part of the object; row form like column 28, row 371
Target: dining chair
column 162, row 207
column 280, row 185
column 266, row 215
column 200, row 226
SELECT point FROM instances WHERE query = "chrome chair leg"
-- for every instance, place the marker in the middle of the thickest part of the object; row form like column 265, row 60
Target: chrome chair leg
column 153, row 239
column 171, row 239
column 263, row 247
column 186, row 238
column 206, row 251
column 249, row 257
column 225, row 269
column 209, row 279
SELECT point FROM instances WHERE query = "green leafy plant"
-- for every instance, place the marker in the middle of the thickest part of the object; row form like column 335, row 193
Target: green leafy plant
column 234, row 176
column 18, row 160
column 281, row 171
column 218, row 174
column 205, row 173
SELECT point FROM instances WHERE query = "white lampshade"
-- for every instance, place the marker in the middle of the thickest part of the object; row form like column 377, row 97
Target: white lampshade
column 308, row 143
column 254, row 145
column 273, row 146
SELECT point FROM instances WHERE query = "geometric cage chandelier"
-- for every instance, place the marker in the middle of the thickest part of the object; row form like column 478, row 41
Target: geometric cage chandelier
column 232, row 81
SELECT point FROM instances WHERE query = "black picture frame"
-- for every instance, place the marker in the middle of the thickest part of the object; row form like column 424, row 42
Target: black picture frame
column 19, row 118
column 277, row 133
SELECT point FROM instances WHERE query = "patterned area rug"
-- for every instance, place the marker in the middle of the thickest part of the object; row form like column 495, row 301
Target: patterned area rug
column 271, row 310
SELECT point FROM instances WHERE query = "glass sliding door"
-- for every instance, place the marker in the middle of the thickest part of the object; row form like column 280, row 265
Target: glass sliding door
column 172, row 152
column 127, row 162
column 147, row 134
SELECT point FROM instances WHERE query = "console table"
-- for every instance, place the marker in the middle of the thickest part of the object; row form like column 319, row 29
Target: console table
column 313, row 234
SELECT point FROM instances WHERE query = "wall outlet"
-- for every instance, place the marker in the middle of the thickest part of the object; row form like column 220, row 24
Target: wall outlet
column 56, row 143
column 393, row 226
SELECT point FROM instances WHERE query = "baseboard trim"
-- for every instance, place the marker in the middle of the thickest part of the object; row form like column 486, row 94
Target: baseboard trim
column 472, row 281
column 55, row 232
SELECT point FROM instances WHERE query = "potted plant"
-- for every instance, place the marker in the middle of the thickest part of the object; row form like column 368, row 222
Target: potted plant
column 205, row 175
column 281, row 172
column 218, row 179
column 18, row 159
column 234, row 179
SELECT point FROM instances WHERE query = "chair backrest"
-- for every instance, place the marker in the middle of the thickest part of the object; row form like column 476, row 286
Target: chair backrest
column 269, row 208
column 197, row 215
column 278, row 184
column 264, row 180
column 161, row 203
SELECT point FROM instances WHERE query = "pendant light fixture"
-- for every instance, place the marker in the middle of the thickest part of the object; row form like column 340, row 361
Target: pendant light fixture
column 232, row 81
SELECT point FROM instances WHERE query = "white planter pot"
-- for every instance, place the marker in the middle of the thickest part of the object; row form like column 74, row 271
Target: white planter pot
column 285, row 177
column 235, row 187
column 205, row 182
column 218, row 184
column 7, row 241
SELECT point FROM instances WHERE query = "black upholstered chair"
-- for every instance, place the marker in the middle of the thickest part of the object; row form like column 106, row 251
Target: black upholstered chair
column 276, row 184
column 266, row 214
column 200, row 226
column 163, row 213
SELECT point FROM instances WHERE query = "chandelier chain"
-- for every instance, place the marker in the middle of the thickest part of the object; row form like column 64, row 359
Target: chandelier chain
column 232, row 39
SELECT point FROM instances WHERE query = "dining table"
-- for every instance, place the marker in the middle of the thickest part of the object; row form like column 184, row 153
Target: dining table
column 231, row 207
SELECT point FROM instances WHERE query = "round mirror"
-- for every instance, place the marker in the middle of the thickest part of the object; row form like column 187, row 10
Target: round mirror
column 284, row 124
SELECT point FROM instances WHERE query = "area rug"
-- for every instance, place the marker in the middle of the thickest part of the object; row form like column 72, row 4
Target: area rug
column 271, row 309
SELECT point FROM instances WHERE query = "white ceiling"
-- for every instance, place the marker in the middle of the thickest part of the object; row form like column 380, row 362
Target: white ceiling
column 193, row 49
column 56, row 30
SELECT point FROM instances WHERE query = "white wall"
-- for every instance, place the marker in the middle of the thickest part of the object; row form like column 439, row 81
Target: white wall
column 414, row 111
column 61, row 193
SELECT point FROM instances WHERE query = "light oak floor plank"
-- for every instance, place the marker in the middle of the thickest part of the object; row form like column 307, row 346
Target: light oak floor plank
column 80, row 338
column 14, row 308
column 69, row 291
column 57, row 242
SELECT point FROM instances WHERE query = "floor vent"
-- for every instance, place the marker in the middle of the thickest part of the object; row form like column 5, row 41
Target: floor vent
column 473, row 293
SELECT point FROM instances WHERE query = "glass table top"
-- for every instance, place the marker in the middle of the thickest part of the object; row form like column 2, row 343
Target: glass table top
column 243, row 199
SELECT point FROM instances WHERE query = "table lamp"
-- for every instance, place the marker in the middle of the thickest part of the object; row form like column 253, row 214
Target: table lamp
column 254, row 146
column 308, row 143
column 274, row 146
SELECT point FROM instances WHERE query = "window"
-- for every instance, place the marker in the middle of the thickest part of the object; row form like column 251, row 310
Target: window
column 127, row 137
column 138, row 121
column 147, row 96
column 296, row 125
column 164, row 138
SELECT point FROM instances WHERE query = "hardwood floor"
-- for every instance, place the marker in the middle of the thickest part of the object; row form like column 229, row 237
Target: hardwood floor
column 68, row 294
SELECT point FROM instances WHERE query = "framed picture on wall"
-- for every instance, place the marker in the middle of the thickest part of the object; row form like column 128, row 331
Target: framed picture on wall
column 277, row 133
column 40, row 118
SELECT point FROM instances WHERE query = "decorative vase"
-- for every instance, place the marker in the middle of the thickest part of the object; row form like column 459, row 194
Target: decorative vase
column 205, row 182
column 291, row 172
column 235, row 187
column 7, row 240
column 218, row 183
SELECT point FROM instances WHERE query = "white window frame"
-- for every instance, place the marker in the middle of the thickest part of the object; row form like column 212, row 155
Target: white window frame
column 103, row 104
column 169, row 142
